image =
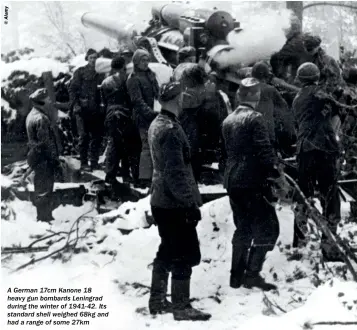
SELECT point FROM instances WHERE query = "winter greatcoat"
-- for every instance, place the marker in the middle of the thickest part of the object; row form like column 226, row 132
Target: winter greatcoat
column 250, row 161
column 330, row 73
column 143, row 88
column 318, row 151
column 250, row 156
column 292, row 54
column 85, row 99
column 124, row 141
column 83, row 89
column 313, row 113
column 43, row 157
column 41, row 137
column 173, row 183
column 278, row 117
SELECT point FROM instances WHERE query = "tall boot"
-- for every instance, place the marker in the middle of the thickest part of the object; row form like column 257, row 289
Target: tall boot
column 239, row 262
column 44, row 206
column 158, row 304
column 252, row 276
column 182, row 309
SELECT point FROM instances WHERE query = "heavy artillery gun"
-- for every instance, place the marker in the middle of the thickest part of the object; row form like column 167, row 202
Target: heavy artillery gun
column 173, row 26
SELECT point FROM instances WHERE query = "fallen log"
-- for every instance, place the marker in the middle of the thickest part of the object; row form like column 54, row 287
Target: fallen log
column 9, row 250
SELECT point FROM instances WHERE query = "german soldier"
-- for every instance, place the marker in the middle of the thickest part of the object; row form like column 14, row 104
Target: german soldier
column 43, row 156
column 119, row 124
column 193, row 83
column 318, row 148
column 85, row 100
column 143, row 89
column 292, row 54
column 251, row 161
column 175, row 202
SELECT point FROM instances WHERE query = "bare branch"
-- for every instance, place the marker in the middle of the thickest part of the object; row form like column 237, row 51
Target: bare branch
column 335, row 4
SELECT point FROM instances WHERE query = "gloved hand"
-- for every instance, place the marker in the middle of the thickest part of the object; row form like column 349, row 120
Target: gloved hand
column 193, row 215
column 279, row 183
column 58, row 170
column 281, row 187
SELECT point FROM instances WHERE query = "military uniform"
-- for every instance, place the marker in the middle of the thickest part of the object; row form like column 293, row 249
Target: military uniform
column 43, row 157
column 85, row 99
column 143, row 89
column 175, row 202
column 279, row 119
column 317, row 146
column 120, row 130
column 292, row 55
column 330, row 73
column 250, row 162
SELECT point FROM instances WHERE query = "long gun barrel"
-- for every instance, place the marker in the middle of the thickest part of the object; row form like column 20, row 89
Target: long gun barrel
column 110, row 27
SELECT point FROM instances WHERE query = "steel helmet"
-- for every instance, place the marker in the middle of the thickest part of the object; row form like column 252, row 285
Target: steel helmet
column 308, row 72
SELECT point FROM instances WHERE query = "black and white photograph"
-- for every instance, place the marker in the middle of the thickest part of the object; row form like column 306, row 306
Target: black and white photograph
column 179, row 165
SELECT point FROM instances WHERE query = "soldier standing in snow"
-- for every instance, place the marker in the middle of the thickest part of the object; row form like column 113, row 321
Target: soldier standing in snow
column 119, row 125
column 143, row 89
column 251, row 161
column 318, row 148
column 85, row 100
column 43, row 156
column 175, row 202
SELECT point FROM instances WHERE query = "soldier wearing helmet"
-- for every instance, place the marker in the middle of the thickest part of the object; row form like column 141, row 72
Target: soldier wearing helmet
column 251, row 160
column 318, row 149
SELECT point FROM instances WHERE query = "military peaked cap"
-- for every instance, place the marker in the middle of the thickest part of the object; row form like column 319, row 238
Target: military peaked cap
column 39, row 95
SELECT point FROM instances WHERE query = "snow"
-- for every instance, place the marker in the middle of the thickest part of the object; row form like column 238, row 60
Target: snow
column 118, row 266
column 78, row 61
column 129, row 215
column 6, row 107
column 34, row 66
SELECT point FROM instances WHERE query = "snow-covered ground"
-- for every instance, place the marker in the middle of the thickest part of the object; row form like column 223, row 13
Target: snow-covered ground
column 118, row 266
column 10, row 113
column 35, row 66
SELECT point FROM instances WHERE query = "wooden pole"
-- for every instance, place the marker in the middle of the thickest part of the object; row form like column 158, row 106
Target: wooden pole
column 48, row 82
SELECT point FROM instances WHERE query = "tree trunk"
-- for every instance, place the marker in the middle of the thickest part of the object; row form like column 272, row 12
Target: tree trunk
column 296, row 7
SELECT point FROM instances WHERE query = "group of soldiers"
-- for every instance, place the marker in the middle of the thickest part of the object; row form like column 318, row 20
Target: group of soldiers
column 164, row 150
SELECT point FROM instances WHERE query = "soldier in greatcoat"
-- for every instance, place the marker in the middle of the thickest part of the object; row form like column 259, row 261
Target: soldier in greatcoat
column 143, row 89
column 85, row 98
column 119, row 125
column 43, row 155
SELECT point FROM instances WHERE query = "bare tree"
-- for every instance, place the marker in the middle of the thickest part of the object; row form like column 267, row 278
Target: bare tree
column 74, row 41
